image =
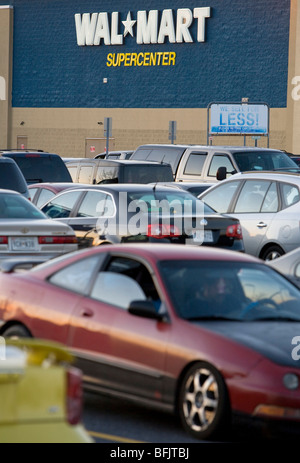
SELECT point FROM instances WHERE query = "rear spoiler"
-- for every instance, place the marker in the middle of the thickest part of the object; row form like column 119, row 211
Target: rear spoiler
column 9, row 265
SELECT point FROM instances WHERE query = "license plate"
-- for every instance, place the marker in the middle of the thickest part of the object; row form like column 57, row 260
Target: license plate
column 23, row 244
column 203, row 236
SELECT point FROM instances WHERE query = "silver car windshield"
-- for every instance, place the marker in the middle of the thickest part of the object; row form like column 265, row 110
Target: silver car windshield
column 263, row 160
column 18, row 207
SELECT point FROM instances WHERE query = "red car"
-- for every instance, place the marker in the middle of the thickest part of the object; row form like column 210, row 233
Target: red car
column 203, row 332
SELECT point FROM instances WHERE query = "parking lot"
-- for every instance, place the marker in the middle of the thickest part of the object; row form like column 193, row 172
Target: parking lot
column 149, row 225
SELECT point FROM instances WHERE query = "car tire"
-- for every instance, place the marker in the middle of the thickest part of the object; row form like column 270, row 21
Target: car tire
column 204, row 406
column 16, row 331
column 271, row 253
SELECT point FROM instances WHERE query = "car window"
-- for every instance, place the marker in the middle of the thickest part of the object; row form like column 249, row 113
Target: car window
column 132, row 280
column 146, row 173
column 32, row 192
column 18, row 207
column 62, row 205
column 73, row 172
column 11, row 177
column 116, row 289
column 37, row 168
column 290, row 194
column 44, row 197
column 271, row 201
column 252, row 196
column 262, row 160
column 220, row 160
column 85, row 174
column 107, row 174
column 195, row 164
column 77, row 277
column 171, row 156
column 220, row 197
column 96, row 204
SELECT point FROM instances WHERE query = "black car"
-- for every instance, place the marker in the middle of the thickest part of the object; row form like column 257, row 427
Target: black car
column 11, row 177
column 39, row 166
column 122, row 213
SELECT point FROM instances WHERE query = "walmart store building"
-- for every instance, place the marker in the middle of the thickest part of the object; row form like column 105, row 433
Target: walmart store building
column 68, row 65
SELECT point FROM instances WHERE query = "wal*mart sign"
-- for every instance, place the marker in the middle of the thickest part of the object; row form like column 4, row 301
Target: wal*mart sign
column 151, row 27
column 240, row 119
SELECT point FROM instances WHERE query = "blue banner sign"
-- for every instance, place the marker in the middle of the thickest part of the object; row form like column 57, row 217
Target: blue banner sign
column 239, row 119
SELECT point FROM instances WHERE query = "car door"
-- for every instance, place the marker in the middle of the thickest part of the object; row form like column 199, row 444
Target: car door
column 256, row 206
column 120, row 351
column 58, row 300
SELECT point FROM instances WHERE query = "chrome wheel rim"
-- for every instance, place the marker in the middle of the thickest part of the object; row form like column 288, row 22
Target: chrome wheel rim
column 273, row 255
column 201, row 399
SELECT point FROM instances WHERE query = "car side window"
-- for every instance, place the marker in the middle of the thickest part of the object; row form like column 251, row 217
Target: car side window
column 77, row 277
column 62, row 205
column 220, row 197
column 220, row 160
column 85, row 174
column 96, row 204
column 73, row 172
column 252, row 196
column 290, row 194
column 195, row 164
column 271, row 201
column 45, row 196
column 123, row 281
column 107, row 174
column 32, row 192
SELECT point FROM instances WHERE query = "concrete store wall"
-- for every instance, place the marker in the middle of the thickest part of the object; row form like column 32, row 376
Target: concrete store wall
column 59, row 94
column 6, row 48
column 64, row 131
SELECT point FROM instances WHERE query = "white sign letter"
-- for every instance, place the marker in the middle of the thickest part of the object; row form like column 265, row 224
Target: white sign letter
column 85, row 28
column 166, row 27
column 2, row 89
column 147, row 30
column 184, row 20
column 116, row 39
column 296, row 90
column 102, row 30
column 201, row 14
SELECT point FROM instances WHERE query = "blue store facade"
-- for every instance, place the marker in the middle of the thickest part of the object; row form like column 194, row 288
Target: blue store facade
column 84, row 60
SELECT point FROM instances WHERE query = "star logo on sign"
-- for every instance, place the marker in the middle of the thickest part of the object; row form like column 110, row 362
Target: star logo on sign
column 128, row 25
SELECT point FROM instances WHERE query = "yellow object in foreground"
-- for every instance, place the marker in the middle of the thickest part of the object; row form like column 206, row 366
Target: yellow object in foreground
column 41, row 394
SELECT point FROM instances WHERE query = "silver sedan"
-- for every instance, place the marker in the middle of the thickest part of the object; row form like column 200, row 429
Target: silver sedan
column 267, row 205
column 26, row 231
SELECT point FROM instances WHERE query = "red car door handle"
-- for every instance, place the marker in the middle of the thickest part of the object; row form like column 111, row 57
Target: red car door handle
column 87, row 312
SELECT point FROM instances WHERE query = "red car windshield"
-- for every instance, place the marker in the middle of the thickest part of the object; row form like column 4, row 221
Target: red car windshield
column 229, row 290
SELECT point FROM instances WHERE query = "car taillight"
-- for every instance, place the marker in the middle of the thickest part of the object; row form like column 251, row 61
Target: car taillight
column 162, row 231
column 3, row 240
column 74, row 395
column 57, row 239
column 234, row 231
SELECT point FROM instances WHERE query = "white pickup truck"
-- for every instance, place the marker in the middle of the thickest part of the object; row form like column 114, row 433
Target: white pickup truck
column 200, row 163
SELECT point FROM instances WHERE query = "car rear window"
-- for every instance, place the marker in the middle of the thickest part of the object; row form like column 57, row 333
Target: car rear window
column 40, row 169
column 146, row 173
column 170, row 156
column 11, row 178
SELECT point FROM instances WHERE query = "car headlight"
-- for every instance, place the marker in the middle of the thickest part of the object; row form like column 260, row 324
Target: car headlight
column 291, row 381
